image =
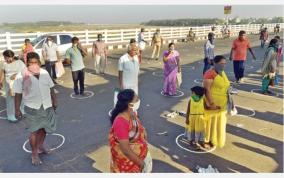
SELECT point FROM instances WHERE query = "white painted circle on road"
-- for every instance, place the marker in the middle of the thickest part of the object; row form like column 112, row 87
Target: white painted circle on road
column 52, row 149
column 230, row 74
column 247, row 108
column 88, row 93
column 192, row 151
column 250, row 67
column 198, row 81
column 1, row 112
column 179, row 94
column 188, row 67
column 158, row 74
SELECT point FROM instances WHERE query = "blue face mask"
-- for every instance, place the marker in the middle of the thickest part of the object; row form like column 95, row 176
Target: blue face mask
column 219, row 68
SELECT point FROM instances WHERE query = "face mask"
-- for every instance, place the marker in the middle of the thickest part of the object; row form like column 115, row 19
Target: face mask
column 75, row 45
column 136, row 105
column 219, row 68
column 49, row 43
column 34, row 68
column 195, row 98
column 9, row 60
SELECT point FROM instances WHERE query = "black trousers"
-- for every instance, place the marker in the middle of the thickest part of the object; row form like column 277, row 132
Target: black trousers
column 50, row 67
column 78, row 76
column 239, row 69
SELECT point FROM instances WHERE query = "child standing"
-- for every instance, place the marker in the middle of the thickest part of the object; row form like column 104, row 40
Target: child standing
column 195, row 125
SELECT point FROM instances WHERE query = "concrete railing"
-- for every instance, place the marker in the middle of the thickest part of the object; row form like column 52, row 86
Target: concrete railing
column 121, row 37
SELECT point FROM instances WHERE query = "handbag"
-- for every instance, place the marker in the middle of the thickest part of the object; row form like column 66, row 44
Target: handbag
column 59, row 69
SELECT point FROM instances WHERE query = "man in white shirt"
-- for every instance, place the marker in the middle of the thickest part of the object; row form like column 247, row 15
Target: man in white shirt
column 35, row 87
column 141, row 44
column 128, row 69
column 209, row 52
column 51, row 56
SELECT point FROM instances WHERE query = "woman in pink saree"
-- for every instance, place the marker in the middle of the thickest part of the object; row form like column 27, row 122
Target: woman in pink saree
column 171, row 69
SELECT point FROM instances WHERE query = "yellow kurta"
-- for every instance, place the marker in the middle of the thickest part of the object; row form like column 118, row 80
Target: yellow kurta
column 216, row 120
column 195, row 127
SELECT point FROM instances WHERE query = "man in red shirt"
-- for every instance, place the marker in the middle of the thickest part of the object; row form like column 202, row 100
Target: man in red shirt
column 239, row 54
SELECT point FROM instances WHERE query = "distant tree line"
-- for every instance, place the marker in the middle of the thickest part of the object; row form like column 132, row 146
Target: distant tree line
column 42, row 23
column 210, row 21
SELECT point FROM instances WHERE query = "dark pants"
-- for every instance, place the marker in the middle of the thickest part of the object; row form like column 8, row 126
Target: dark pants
column 78, row 75
column 239, row 69
column 207, row 65
column 50, row 67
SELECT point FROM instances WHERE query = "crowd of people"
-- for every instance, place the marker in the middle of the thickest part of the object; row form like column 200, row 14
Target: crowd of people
column 30, row 92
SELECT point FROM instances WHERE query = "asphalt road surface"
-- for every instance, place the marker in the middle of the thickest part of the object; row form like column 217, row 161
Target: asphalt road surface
column 254, row 137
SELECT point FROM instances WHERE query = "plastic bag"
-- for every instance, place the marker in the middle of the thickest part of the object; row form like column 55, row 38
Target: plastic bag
column 116, row 91
column 209, row 169
column 179, row 79
column 59, row 69
column 148, row 164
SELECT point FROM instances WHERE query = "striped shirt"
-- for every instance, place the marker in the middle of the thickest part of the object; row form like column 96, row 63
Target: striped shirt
column 209, row 50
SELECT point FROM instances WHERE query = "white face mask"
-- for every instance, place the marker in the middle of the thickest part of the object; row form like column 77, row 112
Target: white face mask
column 136, row 105
column 49, row 43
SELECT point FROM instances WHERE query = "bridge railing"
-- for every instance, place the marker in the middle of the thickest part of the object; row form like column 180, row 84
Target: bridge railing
column 14, row 41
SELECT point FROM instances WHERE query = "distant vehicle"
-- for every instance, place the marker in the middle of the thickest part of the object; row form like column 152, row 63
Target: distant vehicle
column 63, row 40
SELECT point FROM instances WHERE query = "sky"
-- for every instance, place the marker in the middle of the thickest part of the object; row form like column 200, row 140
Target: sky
column 128, row 14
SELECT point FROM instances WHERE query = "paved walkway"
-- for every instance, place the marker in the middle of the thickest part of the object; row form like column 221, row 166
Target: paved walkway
column 254, row 138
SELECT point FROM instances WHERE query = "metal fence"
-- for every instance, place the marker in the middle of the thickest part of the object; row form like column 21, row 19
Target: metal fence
column 14, row 41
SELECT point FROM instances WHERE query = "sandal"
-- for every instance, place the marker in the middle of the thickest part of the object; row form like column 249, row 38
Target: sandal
column 207, row 146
